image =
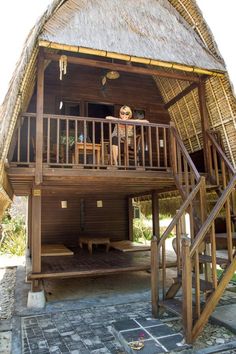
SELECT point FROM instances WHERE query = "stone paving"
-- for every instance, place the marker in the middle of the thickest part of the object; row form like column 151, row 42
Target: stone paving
column 80, row 331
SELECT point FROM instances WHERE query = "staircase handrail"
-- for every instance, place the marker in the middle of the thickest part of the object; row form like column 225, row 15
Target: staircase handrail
column 212, row 216
column 221, row 152
column 180, row 212
column 184, row 151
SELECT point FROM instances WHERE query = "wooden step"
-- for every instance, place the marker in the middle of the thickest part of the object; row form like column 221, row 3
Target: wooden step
column 207, row 259
column 173, row 305
column 214, row 187
column 205, row 285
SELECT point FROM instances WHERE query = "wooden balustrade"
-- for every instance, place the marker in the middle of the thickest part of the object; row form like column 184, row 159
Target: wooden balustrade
column 192, row 252
column 85, row 141
column 221, row 170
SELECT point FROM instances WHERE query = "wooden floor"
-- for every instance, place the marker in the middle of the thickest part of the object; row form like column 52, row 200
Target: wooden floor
column 82, row 264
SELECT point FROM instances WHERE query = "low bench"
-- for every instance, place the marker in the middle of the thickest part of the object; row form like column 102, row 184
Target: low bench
column 90, row 241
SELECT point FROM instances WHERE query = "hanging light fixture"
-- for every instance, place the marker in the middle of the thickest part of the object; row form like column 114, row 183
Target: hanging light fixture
column 112, row 75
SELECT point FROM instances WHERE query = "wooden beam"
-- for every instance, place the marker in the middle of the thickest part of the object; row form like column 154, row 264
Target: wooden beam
column 204, row 122
column 122, row 67
column 183, row 93
column 36, row 229
column 155, row 215
column 39, row 119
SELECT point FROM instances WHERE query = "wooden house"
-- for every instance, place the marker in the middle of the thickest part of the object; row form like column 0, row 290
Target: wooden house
column 81, row 62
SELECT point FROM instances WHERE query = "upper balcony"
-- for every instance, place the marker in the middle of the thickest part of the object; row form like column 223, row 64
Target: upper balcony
column 82, row 142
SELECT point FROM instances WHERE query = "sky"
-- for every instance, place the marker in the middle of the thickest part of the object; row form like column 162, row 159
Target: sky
column 16, row 24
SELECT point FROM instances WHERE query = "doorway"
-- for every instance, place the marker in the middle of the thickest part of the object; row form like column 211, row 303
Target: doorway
column 100, row 110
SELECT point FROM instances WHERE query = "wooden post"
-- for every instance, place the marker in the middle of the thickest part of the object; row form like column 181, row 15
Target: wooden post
column 29, row 225
column 155, row 215
column 36, row 230
column 39, row 118
column 154, row 277
column 204, row 122
column 130, row 218
column 187, row 290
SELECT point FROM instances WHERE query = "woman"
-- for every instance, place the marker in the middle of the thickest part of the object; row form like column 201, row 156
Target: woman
column 125, row 114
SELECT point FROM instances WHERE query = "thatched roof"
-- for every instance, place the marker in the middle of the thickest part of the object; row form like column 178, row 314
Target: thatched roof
column 153, row 29
column 171, row 33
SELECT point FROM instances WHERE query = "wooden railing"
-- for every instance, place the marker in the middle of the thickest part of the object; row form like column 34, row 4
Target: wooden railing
column 220, row 169
column 193, row 190
column 193, row 252
column 85, row 141
column 207, row 234
column 158, row 249
column 185, row 173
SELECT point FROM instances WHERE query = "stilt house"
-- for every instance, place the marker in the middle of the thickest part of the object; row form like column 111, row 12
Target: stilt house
column 82, row 61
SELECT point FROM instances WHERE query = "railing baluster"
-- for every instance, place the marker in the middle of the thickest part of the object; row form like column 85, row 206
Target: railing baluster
column 85, row 140
column 126, row 147
column 67, row 141
column 135, row 146
column 186, row 180
column 216, row 166
column 76, row 142
column 48, row 141
column 58, row 140
column 94, row 159
column 213, row 255
column 158, row 146
column 178, row 248
column 165, row 147
column 187, row 290
column 143, row 146
column 110, row 144
column 102, row 142
column 229, row 230
column 197, row 285
column 150, row 146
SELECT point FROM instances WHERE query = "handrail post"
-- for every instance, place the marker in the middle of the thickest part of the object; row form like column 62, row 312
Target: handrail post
column 173, row 159
column 154, row 277
column 187, row 290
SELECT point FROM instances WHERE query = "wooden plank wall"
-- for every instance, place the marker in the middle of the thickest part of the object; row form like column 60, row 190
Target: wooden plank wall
column 84, row 84
column 65, row 225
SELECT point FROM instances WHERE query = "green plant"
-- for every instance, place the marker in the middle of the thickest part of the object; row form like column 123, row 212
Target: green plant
column 13, row 239
column 141, row 230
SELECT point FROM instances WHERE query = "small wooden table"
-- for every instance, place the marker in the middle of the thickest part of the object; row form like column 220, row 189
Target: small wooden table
column 90, row 148
column 90, row 241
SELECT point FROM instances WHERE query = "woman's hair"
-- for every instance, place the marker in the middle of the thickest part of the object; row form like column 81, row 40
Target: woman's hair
column 126, row 109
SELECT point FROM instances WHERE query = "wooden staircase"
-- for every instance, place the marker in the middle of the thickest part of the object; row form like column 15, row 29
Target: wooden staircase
column 197, row 260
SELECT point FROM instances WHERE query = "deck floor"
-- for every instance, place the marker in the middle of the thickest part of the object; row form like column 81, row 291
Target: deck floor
column 100, row 262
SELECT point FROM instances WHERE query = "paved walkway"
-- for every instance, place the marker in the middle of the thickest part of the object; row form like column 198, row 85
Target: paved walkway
column 85, row 325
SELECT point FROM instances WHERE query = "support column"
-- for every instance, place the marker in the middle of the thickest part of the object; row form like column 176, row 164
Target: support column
column 39, row 118
column 36, row 229
column 130, row 218
column 204, row 122
column 29, row 225
column 155, row 215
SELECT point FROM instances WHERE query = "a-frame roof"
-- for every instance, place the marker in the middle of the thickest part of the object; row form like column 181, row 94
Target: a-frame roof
column 167, row 31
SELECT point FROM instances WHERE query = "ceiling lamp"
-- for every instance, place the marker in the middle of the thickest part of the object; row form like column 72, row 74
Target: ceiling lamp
column 112, row 75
